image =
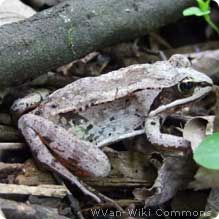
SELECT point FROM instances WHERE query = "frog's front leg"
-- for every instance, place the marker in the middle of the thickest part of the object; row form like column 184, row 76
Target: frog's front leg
column 55, row 147
column 155, row 136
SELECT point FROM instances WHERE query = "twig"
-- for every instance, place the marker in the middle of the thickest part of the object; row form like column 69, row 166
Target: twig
column 12, row 209
column 4, row 146
column 56, row 191
column 74, row 204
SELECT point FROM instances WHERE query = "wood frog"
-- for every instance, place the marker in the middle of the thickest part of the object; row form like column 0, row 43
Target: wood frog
column 68, row 129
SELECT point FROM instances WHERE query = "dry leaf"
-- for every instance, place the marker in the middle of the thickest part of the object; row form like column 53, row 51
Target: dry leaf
column 205, row 179
column 174, row 174
column 13, row 11
column 213, row 204
column 197, row 128
column 207, row 62
column 195, row 131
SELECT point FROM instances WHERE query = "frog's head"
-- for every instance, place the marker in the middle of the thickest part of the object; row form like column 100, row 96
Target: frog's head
column 188, row 86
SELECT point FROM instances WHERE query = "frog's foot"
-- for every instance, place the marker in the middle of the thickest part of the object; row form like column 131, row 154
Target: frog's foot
column 154, row 135
column 45, row 140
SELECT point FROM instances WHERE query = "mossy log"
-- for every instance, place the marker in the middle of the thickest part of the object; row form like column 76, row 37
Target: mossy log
column 72, row 29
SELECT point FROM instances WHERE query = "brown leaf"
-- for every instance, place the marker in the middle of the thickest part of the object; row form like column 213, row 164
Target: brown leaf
column 197, row 128
column 174, row 174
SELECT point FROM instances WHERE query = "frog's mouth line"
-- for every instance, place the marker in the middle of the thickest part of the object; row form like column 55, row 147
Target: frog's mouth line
column 197, row 95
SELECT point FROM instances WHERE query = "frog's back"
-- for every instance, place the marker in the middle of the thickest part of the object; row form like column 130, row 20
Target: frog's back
column 102, row 108
column 91, row 91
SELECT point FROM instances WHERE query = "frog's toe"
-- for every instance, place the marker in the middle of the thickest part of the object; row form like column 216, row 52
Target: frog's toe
column 23, row 121
column 100, row 165
column 104, row 169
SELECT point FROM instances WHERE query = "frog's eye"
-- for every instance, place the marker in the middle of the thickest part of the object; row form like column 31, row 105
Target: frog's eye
column 186, row 86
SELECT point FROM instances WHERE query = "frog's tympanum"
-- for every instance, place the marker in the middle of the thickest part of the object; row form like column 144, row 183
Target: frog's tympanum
column 68, row 129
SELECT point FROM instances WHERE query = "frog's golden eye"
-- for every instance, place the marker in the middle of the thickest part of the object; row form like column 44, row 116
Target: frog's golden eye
column 186, row 86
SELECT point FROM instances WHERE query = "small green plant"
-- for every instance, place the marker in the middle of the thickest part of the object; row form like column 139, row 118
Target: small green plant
column 203, row 10
column 207, row 153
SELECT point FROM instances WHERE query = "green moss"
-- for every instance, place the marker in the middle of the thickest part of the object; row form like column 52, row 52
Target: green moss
column 70, row 37
column 80, row 131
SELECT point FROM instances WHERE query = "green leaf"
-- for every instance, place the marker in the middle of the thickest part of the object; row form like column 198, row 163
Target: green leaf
column 204, row 5
column 194, row 11
column 207, row 153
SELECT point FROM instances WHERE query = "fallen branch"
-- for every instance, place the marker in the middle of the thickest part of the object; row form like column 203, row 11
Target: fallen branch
column 73, row 29
column 4, row 146
column 12, row 209
column 55, row 191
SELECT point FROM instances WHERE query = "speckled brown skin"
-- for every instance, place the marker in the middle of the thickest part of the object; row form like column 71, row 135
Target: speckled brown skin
column 73, row 122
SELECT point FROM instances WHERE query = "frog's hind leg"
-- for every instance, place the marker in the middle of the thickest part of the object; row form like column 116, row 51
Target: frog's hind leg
column 46, row 158
column 155, row 136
